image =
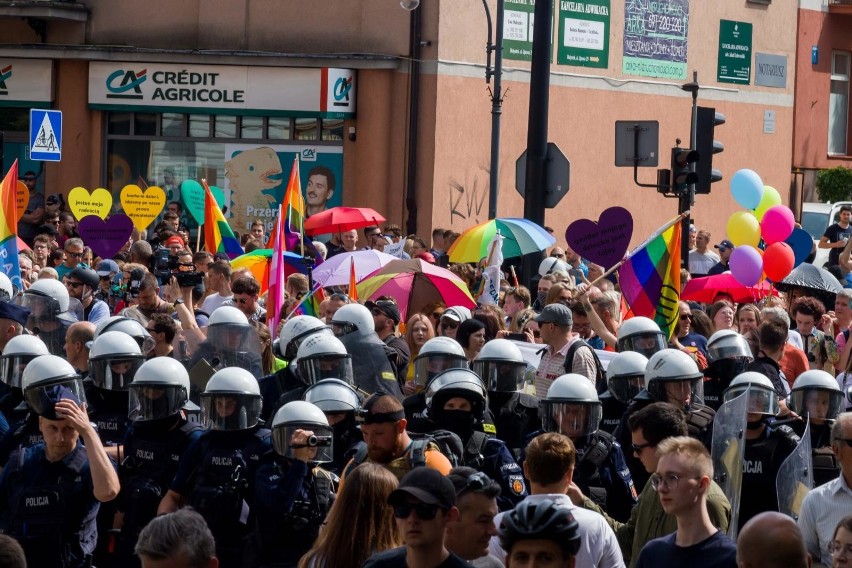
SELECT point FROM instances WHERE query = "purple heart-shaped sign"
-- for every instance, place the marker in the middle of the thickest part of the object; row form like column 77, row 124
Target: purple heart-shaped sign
column 105, row 237
column 603, row 242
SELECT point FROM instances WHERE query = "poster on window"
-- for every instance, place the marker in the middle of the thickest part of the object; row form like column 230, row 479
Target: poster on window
column 583, row 33
column 655, row 38
column 256, row 178
column 518, row 23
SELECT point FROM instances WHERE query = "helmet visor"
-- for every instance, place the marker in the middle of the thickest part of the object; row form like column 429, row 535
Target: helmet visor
column 501, row 376
column 42, row 308
column 314, row 369
column 761, row 400
column 43, row 398
column 625, row 387
column 682, row 393
column 818, row 404
column 645, row 343
column 12, row 369
column 314, row 440
column 230, row 411
column 292, row 348
column 340, row 328
column 153, row 402
column 573, row 419
column 729, row 347
column 429, row 365
column 114, row 374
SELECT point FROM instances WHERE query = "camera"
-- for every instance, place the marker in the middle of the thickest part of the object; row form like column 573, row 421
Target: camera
column 189, row 279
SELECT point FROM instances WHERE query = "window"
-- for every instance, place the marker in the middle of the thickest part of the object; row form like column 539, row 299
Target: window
column 838, row 103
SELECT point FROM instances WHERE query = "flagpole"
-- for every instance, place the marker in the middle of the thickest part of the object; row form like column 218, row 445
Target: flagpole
column 641, row 246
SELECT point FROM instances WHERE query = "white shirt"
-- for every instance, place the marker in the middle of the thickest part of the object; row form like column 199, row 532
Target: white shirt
column 822, row 509
column 794, row 338
column 213, row 301
column 598, row 546
column 701, row 262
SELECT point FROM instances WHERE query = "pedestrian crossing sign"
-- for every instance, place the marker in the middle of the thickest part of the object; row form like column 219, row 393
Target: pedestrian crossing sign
column 45, row 135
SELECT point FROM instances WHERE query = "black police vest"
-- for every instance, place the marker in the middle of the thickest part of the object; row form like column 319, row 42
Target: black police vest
column 515, row 417
column 612, row 410
column 108, row 411
column 699, row 423
column 761, row 460
column 23, row 434
column 587, row 470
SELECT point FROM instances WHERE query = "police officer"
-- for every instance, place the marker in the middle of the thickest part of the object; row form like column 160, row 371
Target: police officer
column 353, row 324
column 231, row 342
column 766, row 446
column 817, row 399
column 293, row 333
column 502, row 369
column 437, row 355
column 292, row 493
column 51, row 312
column 455, row 401
column 24, row 430
column 340, row 402
column 217, row 473
column 625, row 378
column 728, row 355
column 50, row 492
column 572, row 408
column 155, row 441
column 642, row 335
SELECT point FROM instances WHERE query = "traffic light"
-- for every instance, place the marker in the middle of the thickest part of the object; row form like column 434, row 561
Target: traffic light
column 707, row 121
column 682, row 174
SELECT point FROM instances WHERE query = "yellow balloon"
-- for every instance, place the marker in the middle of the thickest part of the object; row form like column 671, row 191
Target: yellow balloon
column 743, row 229
column 770, row 198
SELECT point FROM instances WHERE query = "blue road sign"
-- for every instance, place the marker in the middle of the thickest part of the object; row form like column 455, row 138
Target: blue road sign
column 45, row 135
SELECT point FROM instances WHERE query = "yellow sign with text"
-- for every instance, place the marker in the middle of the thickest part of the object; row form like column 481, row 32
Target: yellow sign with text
column 142, row 206
column 82, row 203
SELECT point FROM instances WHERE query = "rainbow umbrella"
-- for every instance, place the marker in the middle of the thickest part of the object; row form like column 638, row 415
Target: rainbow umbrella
column 259, row 261
column 520, row 237
column 414, row 284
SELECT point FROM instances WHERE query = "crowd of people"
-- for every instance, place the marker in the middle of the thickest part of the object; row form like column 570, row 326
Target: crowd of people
column 149, row 416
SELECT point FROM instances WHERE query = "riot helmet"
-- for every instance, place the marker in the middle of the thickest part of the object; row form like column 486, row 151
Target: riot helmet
column 323, row 356
column 353, row 318
column 51, row 312
column 500, row 366
column 550, row 265
column 299, row 425
column 160, row 389
column 642, row 335
column 234, row 340
column 437, row 355
column 762, row 398
column 231, row 401
column 333, row 396
column 17, row 354
column 7, row 291
column 452, row 383
column 728, row 344
column 129, row 326
column 114, row 358
column 296, row 330
column 49, row 379
column 817, row 395
column 571, row 407
column 625, row 375
column 673, row 376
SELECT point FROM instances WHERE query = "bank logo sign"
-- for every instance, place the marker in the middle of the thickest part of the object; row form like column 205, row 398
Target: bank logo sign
column 26, row 82
column 222, row 88
column 5, row 75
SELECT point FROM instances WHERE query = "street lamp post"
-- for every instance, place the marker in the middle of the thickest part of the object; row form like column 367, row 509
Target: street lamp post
column 495, row 46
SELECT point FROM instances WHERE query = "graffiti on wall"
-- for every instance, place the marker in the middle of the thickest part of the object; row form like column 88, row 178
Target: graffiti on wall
column 468, row 198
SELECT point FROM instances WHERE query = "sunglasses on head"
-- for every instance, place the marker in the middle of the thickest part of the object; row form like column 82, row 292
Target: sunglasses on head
column 424, row 511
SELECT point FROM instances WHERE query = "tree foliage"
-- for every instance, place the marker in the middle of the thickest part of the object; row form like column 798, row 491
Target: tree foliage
column 834, row 184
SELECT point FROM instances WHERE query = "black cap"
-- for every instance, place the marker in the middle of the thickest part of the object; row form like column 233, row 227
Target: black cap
column 85, row 275
column 14, row 312
column 387, row 307
column 427, row 485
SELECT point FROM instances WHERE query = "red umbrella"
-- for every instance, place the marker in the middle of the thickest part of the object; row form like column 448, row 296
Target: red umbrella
column 340, row 219
column 706, row 289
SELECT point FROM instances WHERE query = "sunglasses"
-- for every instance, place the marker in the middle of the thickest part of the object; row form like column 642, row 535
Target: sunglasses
column 74, row 285
column 242, row 301
column 449, row 324
column 639, row 447
column 685, row 317
column 424, row 511
column 437, row 315
column 75, row 254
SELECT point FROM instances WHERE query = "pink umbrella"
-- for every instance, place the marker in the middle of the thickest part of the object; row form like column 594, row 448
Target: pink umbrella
column 335, row 270
column 706, row 289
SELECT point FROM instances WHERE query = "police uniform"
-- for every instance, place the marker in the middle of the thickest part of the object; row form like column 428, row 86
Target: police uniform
column 497, row 462
column 515, row 417
column 23, row 434
column 245, row 360
column 762, row 458
column 415, row 414
column 612, row 410
column 50, row 507
column 274, row 386
column 825, row 465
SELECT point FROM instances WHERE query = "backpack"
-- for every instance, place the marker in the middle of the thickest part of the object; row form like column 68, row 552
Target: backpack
column 600, row 376
column 444, row 441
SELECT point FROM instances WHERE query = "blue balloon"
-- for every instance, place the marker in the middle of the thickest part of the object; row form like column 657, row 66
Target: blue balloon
column 801, row 243
column 747, row 189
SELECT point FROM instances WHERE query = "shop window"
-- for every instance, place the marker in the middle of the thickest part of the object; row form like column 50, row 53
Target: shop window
column 15, row 120
column 119, row 123
column 226, row 126
column 306, row 129
column 199, row 126
column 332, row 130
column 279, row 128
column 251, row 127
column 145, row 124
column 838, row 103
column 173, row 124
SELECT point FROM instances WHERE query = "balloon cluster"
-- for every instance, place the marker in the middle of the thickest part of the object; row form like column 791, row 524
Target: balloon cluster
column 759, row 233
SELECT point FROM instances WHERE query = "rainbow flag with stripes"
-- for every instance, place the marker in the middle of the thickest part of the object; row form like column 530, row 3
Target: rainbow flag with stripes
column 294, row 207
column 9, row 226
column 309, row 305
column 650, row 280
column 218, row 235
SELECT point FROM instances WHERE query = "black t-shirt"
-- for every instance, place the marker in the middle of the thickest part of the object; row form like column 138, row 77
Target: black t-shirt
column 834, row 234
column 761, row 460
column 396, row 559
column 718, row 551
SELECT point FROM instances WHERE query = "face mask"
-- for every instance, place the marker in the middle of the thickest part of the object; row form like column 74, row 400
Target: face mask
column 541, row 298
column 459, row 422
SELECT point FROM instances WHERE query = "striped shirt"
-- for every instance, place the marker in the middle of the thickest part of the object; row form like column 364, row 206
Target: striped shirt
column 552, row 366
column 822, row 509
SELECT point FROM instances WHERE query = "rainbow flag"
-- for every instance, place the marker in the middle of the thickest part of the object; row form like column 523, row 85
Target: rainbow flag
column 650, row 280
column 294, row 205
column 218, row 236
column 9, row 226
column 309, row 305
column 277, row 277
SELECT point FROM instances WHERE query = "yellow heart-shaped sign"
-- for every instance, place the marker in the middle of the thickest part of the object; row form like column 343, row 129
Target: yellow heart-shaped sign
column 22, row 199
column 83, row 203
column 142, row 206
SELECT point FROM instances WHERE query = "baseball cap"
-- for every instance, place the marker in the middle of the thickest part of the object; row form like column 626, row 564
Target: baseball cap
column 387, row 307
column 427, row 485
column 457, row 313
column 559, row 314
column 85, row 275
column 107, row 267
column 174, row 241
column 726, row 244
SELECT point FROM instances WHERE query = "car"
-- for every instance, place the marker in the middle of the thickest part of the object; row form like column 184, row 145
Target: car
column 816, row 218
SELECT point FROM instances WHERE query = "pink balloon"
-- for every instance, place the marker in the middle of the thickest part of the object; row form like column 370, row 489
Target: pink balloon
column 778, row 260
column 777, row 224
column 746, row 265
